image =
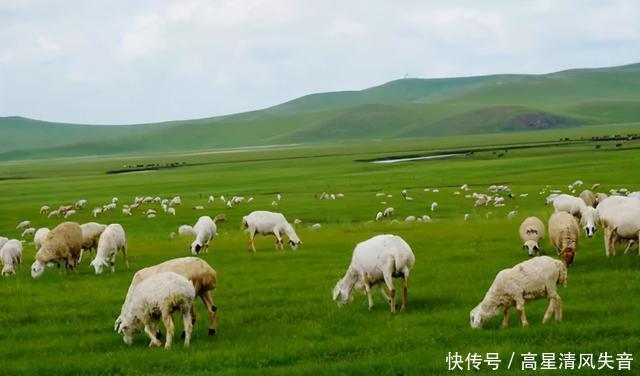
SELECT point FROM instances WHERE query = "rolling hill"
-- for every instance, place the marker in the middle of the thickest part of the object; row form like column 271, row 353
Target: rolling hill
column 397, row 109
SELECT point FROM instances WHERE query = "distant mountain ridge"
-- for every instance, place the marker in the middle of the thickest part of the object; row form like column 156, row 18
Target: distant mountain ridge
column 402, row 108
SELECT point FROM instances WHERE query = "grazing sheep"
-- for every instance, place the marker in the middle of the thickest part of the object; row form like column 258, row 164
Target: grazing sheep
column 411, row 218
column 39, row 236
column 81, row 204
column 211, row 199
column 63, row 209
column 95, row 212
column 576, row 207
column 150, row 211
column 426, row 218
column 599, row 197
column 316, row 226
column 126, row 211
column 205, row 230
column 171, row 211
column 250, row 199
column 53, row 213
column 155, row 298
column 482, row 200
column 91, row 232
column 269, row 223
column 175, row 201
column 114, row 200
column 279, row 197
column 199, row 207
column 379, row 216
column 512, row 214
column 151, row 215
column 63, row 243
column 434, row 205
column 11, row 255
column 588, row 197
column 376, row 260
column 388, row 212
column 196, row 270
column 69, row 213
column 44, row 209
column 616, row 214
column 529, row 280
column 184, row 230
column 23, row 224
column 111, row 240
column 564, row 235
column 466, row 217
column 28, row 232
column 531, row 231
column 297, row 222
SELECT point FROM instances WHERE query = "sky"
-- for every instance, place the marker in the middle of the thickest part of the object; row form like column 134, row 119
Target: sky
column 132, row 61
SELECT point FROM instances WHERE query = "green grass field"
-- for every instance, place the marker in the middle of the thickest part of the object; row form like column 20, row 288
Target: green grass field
column 275, row 310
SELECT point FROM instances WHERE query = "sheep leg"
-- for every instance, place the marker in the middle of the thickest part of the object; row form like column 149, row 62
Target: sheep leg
column 388, row 280
column 558, row 310
column 81, row 253
column 213, row 311
column 607, row 240
column 278, row 240
column 124, row 254
column 252, row 245
column 384, row 294
column 405, row 285
column 550, row 309
column 168, row 324
column 367, row 289
column 152, row 335
column 505, row 319
column 187, row 321
column 520, row 308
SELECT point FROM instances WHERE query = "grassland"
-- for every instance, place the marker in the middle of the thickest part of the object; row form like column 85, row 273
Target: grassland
column 395, row 110
column 275, row 310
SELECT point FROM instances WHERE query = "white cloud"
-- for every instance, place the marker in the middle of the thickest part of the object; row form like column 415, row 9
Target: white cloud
column 123, row 62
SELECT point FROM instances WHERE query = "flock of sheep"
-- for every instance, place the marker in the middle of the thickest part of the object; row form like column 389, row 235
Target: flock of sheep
column 158, row 291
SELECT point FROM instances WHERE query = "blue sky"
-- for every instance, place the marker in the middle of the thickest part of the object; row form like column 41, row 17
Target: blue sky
column 124, row 61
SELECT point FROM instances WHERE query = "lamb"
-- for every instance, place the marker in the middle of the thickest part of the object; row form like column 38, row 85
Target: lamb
column 269, row 223
column 91, row 232
column 39, row 236
column 564, row 235
column 23, row 224
column 110, row 242
column 575, row 206
column 529, row 280
column 531, row 231
column 205, row 230
column 44, row 209
column 28, row 232
column 198, row 271
column 63, row 243
column 512, row 214
column 69, row 213
column 376, row 260
column 157, row 298
column 10, row 254
column 588, row 197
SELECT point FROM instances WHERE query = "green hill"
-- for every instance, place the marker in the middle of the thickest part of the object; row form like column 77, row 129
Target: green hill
column 401, row 108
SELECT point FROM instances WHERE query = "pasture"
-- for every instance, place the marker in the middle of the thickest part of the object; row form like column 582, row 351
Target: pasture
column 275, row 310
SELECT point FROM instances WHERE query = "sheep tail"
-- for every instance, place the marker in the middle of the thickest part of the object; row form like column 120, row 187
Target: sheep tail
column 219, row 218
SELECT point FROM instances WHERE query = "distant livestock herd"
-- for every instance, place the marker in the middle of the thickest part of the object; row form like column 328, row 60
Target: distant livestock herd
column 158, row 291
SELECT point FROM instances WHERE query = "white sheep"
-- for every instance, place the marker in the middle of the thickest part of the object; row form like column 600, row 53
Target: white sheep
column 576, row 207
column 91, row 232
column 175, row 201
column 126, row 211
column 53, row 213
column 388, row 212
column 28, row 232
column 411, row 218
column 564, row 235
column 426, row 218
column 155, row 299
column 376, row 260
column 531, row 231
column 616, row 214
column 205, row 230
column 379, row 216
column 211, row 199
column 196, row 270
column 184, row 230
column 588, row 197
column 434, row 205
column 95, row 212
column 44, row 209
column 529, row 280
column 467, row 216
column 81, row 204
column 199, row 207
column 512, row 214
column 23, row 224
column 171, row 211
column 316, row 226
column 11, row 256
column 69, row 214
column 110, row 242
column 269, row 223
column 114, row 200
column 39, row 236
column 63, row 243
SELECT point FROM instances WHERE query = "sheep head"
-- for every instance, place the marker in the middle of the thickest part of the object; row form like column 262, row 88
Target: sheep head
column 479, row 315
column 98, row 264
column 37, row 268
column 532, row 247
column 8, row 270
column 195, row 247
